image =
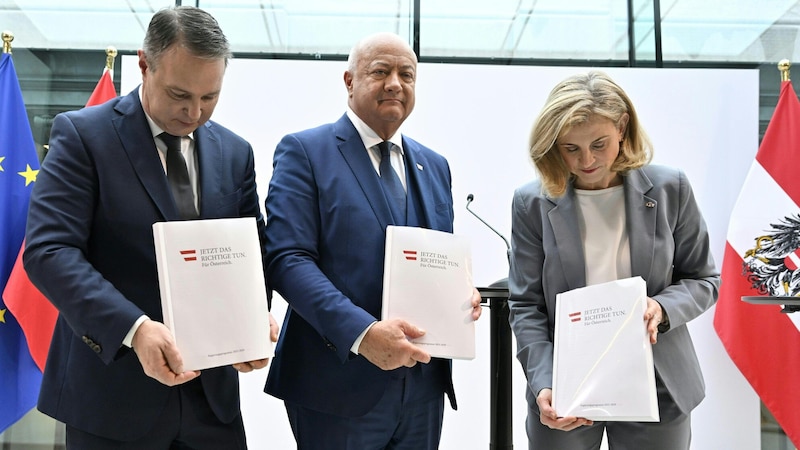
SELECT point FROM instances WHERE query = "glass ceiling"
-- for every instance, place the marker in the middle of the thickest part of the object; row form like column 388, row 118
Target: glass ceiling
column 692, row 30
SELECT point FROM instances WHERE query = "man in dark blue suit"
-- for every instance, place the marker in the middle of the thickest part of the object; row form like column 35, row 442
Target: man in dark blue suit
column 90, row 248
column 349, row 380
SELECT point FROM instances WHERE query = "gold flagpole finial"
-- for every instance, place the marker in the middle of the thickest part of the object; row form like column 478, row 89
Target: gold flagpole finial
column 7, row 38
column 111, row 53
column 784, row 66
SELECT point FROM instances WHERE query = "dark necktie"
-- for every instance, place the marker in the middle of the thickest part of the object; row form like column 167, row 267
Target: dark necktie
column 178, row 177
column 392, row 188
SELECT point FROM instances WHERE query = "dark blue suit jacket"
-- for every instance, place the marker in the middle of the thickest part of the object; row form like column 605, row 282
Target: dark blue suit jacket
column 326, row 222
column 90, row 251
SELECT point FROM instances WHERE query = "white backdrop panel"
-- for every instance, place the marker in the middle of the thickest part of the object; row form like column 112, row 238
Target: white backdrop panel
column 479, row 116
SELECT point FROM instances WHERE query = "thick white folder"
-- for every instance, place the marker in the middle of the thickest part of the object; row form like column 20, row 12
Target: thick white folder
column 603, row 360
column 213, row 294
column 427, row 281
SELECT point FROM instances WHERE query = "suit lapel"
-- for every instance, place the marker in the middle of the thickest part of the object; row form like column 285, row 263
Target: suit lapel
column 564, row 222
column 137, row 141
column 641, row 222
column 208, row 149
column 419, row 182
column 355, row 155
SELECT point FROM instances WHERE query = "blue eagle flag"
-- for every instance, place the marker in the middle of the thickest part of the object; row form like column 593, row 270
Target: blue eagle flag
column 19, row 376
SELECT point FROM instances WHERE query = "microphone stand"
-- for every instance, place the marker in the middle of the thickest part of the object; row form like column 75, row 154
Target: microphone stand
column 470, row 198
column 500, row 434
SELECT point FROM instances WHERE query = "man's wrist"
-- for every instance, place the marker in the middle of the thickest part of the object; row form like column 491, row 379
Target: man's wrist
column 128, row 340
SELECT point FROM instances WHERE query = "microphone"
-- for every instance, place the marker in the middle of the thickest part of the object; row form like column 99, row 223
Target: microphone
column 470, row 198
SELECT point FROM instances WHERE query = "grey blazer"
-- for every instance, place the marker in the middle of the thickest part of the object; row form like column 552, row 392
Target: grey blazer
column 669, row 247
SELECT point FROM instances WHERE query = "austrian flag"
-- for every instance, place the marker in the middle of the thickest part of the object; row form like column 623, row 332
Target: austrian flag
column 189, row 255
column 761, row 259
column 793, row 260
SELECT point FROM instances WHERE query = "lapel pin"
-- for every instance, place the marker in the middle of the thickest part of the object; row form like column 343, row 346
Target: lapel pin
column 419, row 166
column 650, row 204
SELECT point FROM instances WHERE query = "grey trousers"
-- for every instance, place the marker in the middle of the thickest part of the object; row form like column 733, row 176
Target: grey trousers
column 674, row 432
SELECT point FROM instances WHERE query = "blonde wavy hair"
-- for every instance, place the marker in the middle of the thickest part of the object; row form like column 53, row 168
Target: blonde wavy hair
column 574, row 101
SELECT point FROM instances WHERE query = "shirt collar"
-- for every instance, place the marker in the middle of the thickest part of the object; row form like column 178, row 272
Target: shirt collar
column 370, row 137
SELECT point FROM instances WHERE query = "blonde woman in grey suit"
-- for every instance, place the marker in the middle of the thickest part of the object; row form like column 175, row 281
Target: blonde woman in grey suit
column 600, row 212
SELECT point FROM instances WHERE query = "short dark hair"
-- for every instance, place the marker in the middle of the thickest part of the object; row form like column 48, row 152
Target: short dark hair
column 192, row 27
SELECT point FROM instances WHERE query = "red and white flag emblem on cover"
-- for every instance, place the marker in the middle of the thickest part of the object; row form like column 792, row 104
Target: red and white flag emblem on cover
column 761, row 260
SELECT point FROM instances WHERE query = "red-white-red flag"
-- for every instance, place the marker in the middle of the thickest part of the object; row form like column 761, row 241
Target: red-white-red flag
column 760, row 259
column 104, row 90
column 35, row 314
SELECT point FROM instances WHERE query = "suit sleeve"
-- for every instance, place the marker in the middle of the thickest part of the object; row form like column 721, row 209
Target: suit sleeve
column 294, row 227
column 695, row 280
column 528, row 313
column 60, row 220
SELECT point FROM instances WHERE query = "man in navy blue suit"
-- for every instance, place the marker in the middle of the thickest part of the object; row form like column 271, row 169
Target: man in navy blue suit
column 90, row 248
column 349, row 380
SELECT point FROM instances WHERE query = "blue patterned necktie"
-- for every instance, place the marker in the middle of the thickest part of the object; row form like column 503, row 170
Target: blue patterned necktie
column 178, row 177
column 392, row 187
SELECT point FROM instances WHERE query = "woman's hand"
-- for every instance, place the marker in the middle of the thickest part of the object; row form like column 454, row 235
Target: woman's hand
column 548, row 416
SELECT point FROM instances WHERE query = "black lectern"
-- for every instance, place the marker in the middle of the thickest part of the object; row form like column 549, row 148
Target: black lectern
column 500, row 437
column 790, row 304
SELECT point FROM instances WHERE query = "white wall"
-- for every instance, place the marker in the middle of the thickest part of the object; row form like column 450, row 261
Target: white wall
column 479, row 116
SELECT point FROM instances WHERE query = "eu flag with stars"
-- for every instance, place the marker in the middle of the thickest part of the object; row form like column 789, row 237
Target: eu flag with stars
column 19, row 165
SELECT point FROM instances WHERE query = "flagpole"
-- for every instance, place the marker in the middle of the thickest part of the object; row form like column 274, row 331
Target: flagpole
column 783, row 66
column 7, row 38
column 111, row 53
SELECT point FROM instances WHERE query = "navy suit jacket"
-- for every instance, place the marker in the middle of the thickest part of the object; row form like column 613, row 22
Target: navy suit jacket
column 669, row 248
column 326, row 225
column 90, row 251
